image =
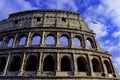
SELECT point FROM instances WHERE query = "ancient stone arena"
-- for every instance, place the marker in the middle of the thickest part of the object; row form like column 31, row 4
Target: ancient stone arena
column 51, row 44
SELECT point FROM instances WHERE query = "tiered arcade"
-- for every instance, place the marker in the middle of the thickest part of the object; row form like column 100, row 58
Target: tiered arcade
column 51, row 44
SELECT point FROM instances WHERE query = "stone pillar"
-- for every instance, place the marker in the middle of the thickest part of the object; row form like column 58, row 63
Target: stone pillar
column 90, row 70
column 104, row 71
column 40, row 65
column 71, row 40
column 75, row 65
column 7, row 63
column 58, row 64
column 58, row 39
column 14, row 42
column 28, row 39
column 23, row 64
column 43, row 39
column 84, row 44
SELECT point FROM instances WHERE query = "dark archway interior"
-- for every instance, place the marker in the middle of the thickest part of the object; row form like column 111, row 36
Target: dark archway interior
column 65, row 64
column 15, row 64
column 81, row 63
column 108, row 67
column 48, row 64
column 96, row 66
column 31, row 64
column 2, row 63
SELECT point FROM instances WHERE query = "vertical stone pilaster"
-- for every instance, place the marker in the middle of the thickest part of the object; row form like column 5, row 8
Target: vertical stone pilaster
column 43, row 39
column 71, row 40
column 84, row 43
column 6, row 66
column 90, row 70
column 23, row 64
column 75, row 68
column 28, row 39
column 58, row 39
column 40, row 65
column 14, row 42
column 58, row 65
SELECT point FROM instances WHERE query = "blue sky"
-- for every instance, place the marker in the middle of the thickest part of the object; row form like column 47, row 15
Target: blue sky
column 106, row 13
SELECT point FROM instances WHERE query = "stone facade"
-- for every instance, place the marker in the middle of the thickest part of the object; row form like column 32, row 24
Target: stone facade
column 22, row 57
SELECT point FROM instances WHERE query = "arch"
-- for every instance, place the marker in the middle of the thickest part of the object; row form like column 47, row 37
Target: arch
column 31, row 63
column 96, row 65
column 48, row 64
column 22, row 40
column 50, row 40
column 108, row 67
column 15, row 63
column 65, row 64
column 81, row 64
column 3, row 61
column 1, row 42
column 77, row 41
column 36, row 40
column 64, row 40
column 10, row 42
column 90, row 43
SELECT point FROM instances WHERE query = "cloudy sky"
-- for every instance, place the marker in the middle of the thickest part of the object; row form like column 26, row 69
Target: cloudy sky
column 106, row 13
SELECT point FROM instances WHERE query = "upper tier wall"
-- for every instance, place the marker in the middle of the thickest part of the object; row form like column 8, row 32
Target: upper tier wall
column 44, row 18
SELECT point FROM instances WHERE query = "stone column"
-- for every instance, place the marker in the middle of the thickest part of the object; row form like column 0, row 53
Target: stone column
column 75, row 68
column 43, row 39
column 58, row 64
column 104, row 71
column 28, row 39
column 90, row 65
column 58, row 39
column 84, row 44
column 14, row 42
column 23, row 64
column 71, row 40
column 7, row 63
column 40, row 65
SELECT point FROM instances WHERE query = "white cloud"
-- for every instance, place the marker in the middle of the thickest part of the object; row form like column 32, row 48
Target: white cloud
column 116, row 34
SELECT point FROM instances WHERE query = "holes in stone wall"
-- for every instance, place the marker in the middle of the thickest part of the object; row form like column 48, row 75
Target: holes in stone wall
column 64, row 40
column 63, row 19
column 65, row 64
column 108, row 67
column 2, row 63
column 90, row 43
column 38, row 19
column 77, row 41
column 36, row 40
column 81, row 64
column 15, row 64
column 10, row 42
column 22, row 41
column 96, row 65
column 50, row 40
column 48, row 64
column 31, row 64
column 1, row 42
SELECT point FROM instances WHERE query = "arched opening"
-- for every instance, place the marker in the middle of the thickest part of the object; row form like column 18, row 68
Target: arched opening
column 96, row 65
column 15, row 63
column 48, row 64
column 65, row 64
column 50, row 40
column 35, row 40
column 77, row 42
column 90, row 43
column 108, row 67
column 0, row 42
column 22, row 41
column 2, row 63
column 64, row 40
column 31, row 64
column 10, row 42
column 81, row 64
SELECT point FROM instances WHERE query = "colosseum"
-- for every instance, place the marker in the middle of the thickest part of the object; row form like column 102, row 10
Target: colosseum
column 51, row 44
